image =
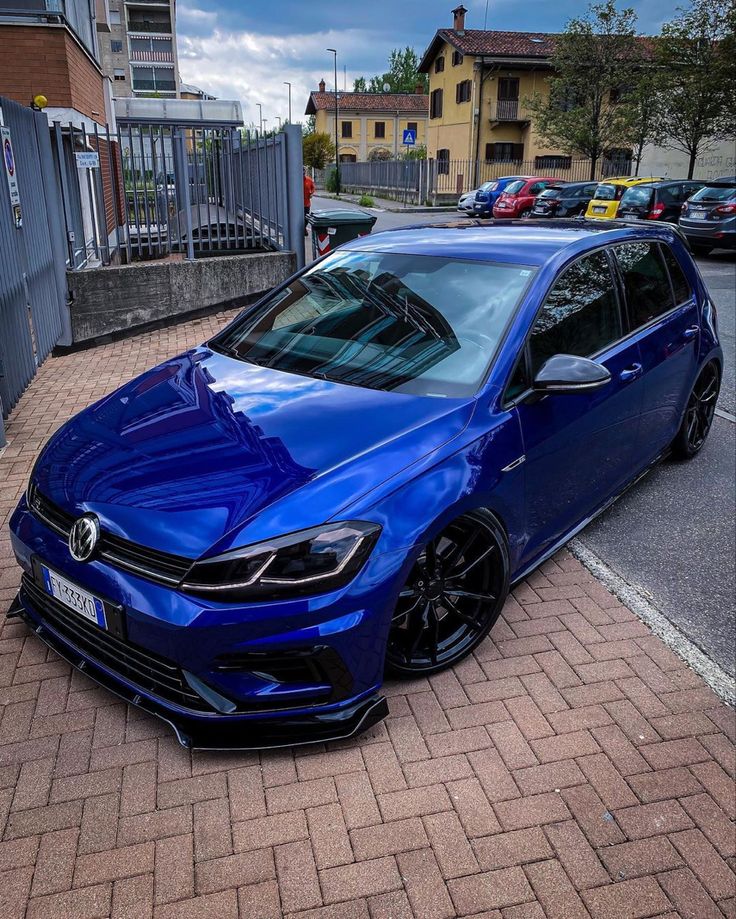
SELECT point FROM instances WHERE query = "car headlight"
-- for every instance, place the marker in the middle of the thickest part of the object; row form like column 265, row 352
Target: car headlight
column 306, row 562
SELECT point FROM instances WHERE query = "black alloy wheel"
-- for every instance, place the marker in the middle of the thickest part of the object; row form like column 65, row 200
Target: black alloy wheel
column 698, row 418
column 453, row 596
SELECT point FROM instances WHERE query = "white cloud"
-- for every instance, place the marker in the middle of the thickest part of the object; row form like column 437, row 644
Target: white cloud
column 252, row 68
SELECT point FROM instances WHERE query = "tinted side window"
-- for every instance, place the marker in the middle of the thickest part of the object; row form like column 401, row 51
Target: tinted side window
column 680, row 283
column 580, row 315
column 647, row 286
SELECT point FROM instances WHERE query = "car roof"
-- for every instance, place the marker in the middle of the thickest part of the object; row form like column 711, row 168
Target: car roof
column 662, row 183
column 629, row 180
column 518, row 242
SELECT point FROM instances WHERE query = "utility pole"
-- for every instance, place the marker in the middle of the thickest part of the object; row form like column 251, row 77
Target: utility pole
column 286, row 83
column 337, row 115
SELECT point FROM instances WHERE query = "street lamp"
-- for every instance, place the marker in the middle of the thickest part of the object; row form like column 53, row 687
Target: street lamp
column 286, row 83
column 278, row 118
column 337, row 112
column 259, row 106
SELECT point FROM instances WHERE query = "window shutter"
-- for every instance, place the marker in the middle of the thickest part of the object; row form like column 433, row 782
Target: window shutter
column 489, row 151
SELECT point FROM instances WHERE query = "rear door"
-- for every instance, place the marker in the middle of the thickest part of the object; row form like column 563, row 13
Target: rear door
column 663, row 317
column 579, row 449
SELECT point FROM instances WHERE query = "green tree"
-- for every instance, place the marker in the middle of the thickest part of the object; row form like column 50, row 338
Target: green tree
column 317, row 149
column 402, row 75
column 594, row 57
column 642, row 113
column 696, row 58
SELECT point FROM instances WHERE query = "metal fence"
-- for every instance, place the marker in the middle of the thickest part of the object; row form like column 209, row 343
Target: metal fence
column 32, row 280
column 148, row 190
column 434, row 181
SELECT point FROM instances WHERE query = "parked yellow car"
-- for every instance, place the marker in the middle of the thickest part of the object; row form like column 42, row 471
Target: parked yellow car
column 604, row 203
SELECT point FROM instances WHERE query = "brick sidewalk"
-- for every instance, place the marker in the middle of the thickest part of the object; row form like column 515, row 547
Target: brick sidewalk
column 572, row 767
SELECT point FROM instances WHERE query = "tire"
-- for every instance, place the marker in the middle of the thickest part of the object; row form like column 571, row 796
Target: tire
column 698, row 418
column 453, row 596
column 524, row 215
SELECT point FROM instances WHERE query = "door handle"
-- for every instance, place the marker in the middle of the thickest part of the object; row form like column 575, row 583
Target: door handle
column 690, row 333
column 631, row 373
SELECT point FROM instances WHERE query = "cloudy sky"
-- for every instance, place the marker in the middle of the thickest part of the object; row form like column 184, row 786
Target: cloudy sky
column 245, row 49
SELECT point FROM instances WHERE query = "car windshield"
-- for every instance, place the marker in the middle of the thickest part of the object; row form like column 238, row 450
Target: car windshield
column 638, row 195
column 513, row 187
column 714, row 193
column 488, row 186
column 551, row 193
column 607, row 192
column 426, row 325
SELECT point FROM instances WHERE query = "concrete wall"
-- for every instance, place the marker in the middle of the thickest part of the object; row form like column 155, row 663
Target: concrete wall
column 720, row 160
column 115, row 299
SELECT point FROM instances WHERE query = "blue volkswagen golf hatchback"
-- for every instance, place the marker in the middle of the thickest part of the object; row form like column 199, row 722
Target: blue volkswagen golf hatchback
column 346, row 480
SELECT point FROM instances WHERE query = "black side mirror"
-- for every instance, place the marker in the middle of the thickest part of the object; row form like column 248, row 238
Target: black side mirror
column 566, row 373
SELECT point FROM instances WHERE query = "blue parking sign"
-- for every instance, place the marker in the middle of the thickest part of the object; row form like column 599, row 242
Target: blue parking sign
column 409, row 138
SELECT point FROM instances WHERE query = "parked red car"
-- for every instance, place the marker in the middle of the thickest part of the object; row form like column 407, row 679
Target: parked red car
column 518, row 198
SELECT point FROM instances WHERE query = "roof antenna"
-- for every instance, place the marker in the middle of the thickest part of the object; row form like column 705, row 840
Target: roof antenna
column 485, row 18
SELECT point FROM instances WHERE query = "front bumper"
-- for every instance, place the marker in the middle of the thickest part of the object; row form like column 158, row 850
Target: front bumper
column 212, row 672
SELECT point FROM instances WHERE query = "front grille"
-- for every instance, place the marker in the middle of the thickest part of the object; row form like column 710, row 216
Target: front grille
column 141, row 667
column 162, row 567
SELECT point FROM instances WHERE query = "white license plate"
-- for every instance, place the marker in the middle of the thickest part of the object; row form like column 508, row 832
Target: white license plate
column 697, row 215
column 599, row 210
column 83, row 603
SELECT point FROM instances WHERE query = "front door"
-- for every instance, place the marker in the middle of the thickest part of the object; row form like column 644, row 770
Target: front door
column 662, row 307
column 508, row 98
column 579, row 448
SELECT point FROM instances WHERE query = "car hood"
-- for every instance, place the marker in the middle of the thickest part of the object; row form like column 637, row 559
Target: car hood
column 184, row 455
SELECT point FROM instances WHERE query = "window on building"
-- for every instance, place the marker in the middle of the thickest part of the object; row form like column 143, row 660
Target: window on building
column 412, row 126
column 348, row 158
column 443, row 162
column 346, row 129
column 118, row 74
column 439, row 65
column 580, row 315
column 646, row 283
column 116, row 46
column 115, row 17
column 553, row 161
column 435, row 103
column 504, row 153
column 380, row 129
column 457, row 58
column 153, row 47
column 463, row 91
column 508, row 89
column 153, row 79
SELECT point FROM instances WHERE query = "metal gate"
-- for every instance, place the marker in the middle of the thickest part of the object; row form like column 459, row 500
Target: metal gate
column 32, row 252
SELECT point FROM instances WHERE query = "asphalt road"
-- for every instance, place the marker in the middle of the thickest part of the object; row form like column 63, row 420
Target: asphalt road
column 672, row 536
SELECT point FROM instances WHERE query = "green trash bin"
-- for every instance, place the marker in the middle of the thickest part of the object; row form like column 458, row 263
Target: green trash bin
column 331, row 229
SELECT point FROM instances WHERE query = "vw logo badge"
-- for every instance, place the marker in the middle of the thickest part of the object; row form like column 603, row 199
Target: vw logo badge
column 83, row 537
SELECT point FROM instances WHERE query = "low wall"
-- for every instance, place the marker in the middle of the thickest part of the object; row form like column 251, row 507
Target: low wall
column 115, row 299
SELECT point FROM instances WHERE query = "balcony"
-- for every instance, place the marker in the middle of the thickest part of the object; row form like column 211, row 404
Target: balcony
column 146, row 23
column 508, row 110
column 155, row 57
column 152, row 50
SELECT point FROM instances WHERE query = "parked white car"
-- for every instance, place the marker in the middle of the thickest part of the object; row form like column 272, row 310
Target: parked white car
column 465, row 204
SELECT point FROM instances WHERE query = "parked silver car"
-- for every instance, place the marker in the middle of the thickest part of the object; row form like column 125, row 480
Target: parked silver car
column 708, row 219
column 466, row 202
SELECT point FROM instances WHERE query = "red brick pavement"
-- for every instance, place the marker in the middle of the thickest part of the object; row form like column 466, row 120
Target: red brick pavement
column 572, row 767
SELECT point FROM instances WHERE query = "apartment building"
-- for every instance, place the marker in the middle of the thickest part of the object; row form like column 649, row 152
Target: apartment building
column 369, row 122
column 139, row 51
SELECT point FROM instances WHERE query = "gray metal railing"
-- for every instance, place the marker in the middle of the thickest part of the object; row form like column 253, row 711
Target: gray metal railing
column 161, row 188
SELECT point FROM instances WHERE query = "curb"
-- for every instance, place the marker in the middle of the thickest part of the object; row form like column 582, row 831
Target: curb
column 722, row 683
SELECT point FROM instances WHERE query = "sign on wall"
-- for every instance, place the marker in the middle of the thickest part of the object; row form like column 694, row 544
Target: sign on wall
column 9, row 163
column 89, row 159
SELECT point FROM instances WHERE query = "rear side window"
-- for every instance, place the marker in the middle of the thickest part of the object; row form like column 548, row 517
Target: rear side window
column 680, row 283
column 513, row 187
column 647, row 286
column 580, row 315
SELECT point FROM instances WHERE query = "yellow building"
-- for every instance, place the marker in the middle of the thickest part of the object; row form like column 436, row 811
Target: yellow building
column 369, row 122
column 478, row 83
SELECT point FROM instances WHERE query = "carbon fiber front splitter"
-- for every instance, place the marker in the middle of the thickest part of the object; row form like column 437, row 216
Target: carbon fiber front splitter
column 218, row 732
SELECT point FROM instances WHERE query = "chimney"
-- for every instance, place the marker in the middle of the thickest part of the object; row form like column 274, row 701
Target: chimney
column 321, row 86
column 458, row 22
column 419, row 89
